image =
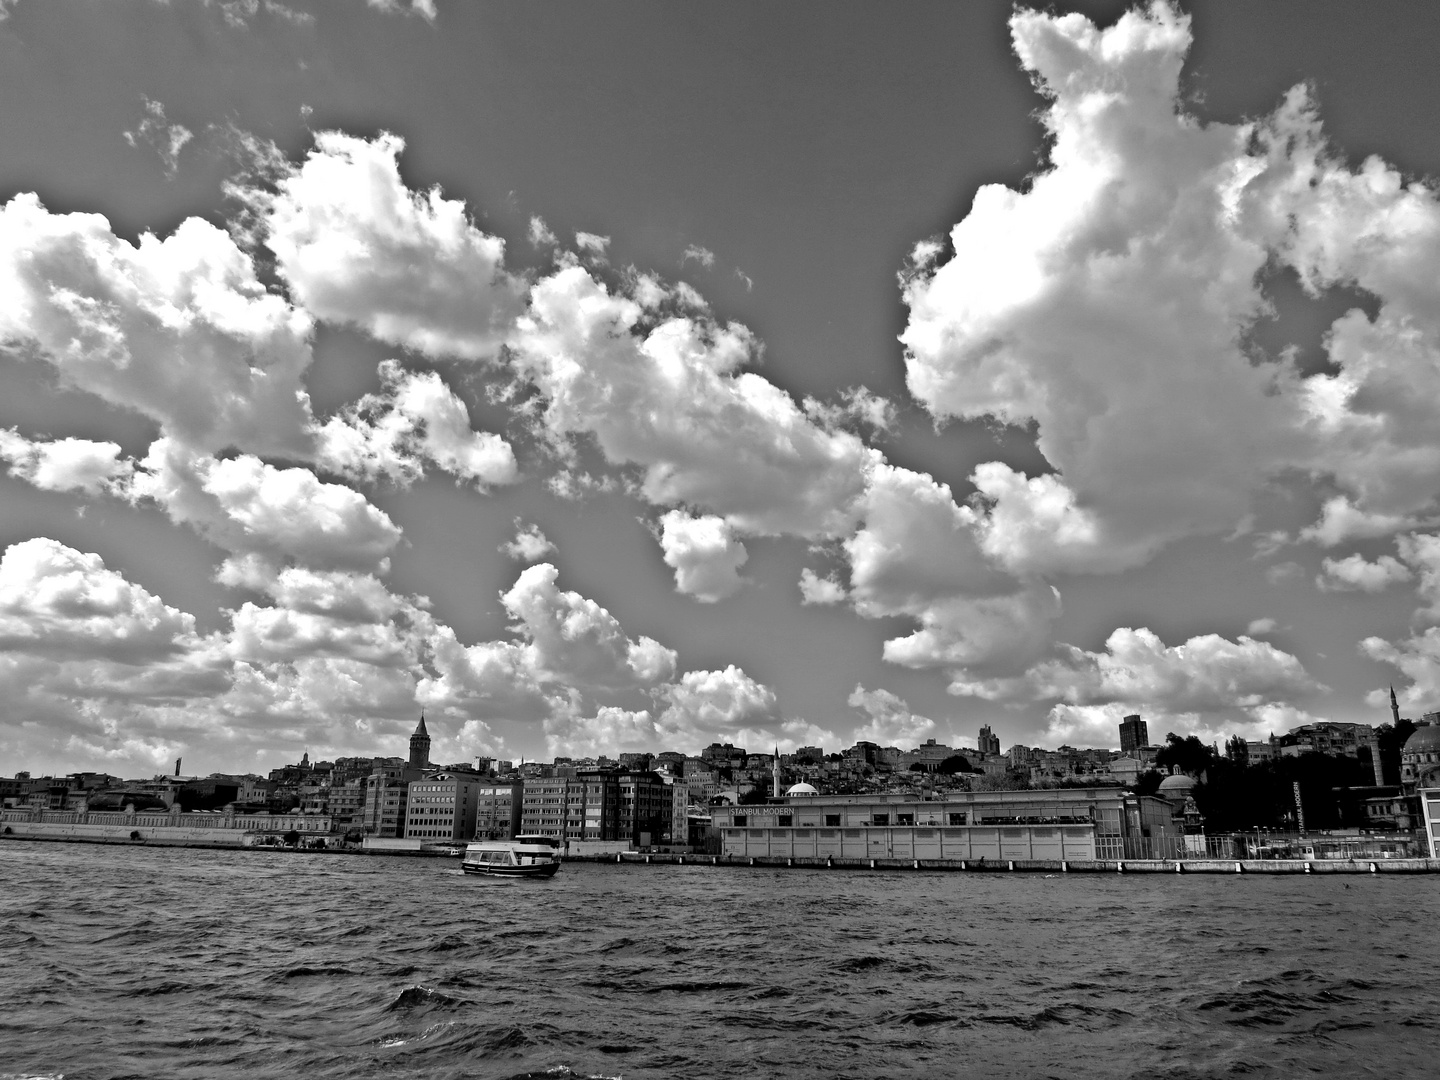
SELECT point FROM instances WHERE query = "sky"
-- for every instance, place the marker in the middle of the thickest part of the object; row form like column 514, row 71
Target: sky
column 599, row 378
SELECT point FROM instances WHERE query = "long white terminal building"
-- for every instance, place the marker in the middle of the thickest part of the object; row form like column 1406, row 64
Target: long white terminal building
column 1063, row 823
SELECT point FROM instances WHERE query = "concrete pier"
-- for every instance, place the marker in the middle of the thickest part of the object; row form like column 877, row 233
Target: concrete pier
column 1043, row 866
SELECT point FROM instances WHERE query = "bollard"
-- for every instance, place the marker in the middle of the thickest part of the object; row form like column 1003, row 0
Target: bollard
column 682, row 860
column 917, row 864
column 829, row 861
column 617, row 856
column 1179, row 867
column 789, row 862
column 1064, row 867
column 872, row 864
column 1239, row 868
column 1010, row 865
column 1307, row 868
column 1119, row 867
column 1374, row 868
column 963, row 865
column 752, row 860
column 647, row 860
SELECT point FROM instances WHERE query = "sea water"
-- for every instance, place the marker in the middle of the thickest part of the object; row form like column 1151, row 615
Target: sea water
column 149, row 963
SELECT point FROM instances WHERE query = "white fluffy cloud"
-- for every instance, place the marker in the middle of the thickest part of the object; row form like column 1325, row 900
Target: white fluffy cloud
column 57, row 601
column 1108, row 305
column 717, row 704
column 415, row 419
column 815, row 589
column 356, row 246
column 918, row 554
column 529, row 545
column 180, row 329
column 1355, row 572
column 1206, row 673
column 668, row 394
column 704, row 553
column 891, row 722
column 66, row 464
column 245, row 506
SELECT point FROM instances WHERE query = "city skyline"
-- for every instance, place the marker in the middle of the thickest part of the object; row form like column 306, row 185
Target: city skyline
column 855, row 392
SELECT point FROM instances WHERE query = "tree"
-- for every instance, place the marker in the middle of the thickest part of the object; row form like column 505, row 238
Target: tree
column 1189, row 755
column 956, row 763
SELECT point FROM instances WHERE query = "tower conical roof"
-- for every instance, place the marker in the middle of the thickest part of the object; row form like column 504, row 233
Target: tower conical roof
column 420, row 727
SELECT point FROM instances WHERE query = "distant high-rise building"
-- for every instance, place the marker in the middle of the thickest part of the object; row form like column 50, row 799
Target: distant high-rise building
column 420, row 746
column 989, row 743
column 1133, row 734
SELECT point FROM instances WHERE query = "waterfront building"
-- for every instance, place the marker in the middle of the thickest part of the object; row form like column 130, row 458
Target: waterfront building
column 498, row 810
column 544, row 807
column 1066, row 823
column 644, row 807
column 1430, row 819
column 988, row 742
column 1134, row 733
column 442, row 807
column 347, row 804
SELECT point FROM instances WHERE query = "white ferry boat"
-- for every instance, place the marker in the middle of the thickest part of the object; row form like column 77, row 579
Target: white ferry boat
column 525, row 856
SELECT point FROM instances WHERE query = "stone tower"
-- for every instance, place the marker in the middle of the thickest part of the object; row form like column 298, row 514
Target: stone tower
column 420, row 746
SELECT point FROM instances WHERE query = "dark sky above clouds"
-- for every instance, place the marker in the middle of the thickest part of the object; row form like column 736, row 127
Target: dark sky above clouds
column 606, row 377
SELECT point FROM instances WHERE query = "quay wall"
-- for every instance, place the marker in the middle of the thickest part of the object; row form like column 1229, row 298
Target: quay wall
column 176, row 829
column 1047, row 866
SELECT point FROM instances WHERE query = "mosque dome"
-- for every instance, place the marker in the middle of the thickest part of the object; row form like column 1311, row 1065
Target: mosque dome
column 801, row 788
column 1176, row 788
column 1425, row 740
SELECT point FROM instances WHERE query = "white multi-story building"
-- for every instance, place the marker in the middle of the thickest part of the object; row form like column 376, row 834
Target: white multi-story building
column 442, row 807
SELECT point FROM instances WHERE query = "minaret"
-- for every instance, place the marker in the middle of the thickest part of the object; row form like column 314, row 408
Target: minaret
column 420, row 746
column 1394, row 707
column 775, row 774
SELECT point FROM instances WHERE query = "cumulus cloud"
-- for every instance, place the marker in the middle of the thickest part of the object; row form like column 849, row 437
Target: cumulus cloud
column 246, row 506
column 414, row 419
column 704, row 553
column 57, row 601
column 671, row 398
column 66, row 464
column 891, row 722
column 1261, row 626
column 574, row 640
column 529, row 545
column 820, row 590
column 165, row 138
column 1355, row 572
column 1108, row 305
column 356, row 246
column 917, row 554
column 717, row 704
column 1208, row 684
column 179, row 329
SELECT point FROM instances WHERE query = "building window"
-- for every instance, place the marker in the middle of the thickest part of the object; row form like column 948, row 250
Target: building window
column 832, row 820
column 904, row 819
column 785, row 819
column 881, row 819
column 740, row 819
column 957, row 819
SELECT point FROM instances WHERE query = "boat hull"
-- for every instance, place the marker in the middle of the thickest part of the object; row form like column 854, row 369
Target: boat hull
column 537, row 870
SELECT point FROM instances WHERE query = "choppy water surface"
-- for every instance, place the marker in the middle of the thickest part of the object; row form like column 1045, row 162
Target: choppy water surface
column 169, row 963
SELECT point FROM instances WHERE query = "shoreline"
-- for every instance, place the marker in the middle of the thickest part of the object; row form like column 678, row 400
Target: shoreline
column 963, row 866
